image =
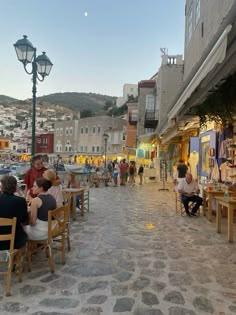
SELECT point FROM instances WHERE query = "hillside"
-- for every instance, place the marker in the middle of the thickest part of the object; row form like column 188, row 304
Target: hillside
column 79, row 101
column 6, row 99
column 88, row 104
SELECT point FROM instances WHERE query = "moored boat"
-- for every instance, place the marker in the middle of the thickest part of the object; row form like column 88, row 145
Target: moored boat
column 74, row 168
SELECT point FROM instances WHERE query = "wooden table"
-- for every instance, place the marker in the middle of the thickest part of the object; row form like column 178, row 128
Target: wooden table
column 72, row 193
column 230, row 204
column 210, row 194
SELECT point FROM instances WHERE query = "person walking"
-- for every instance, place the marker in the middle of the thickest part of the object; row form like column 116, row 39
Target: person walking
column 110, row 169
column 132, row 171
column 140, row 174
column 115, row 173
column 123, row 171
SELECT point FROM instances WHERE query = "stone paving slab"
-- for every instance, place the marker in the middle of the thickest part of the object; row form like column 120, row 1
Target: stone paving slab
column 132, row 254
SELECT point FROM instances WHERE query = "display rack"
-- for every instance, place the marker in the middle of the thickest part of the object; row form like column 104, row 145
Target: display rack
column 232, row 160
column 163, row 174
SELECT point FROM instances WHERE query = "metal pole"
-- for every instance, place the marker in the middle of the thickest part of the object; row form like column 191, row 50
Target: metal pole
column 34, row 90
column 105, row 153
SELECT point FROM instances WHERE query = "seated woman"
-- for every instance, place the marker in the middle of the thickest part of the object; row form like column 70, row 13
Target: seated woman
column 12, row 206
column 73, row 183
column 40, row 205
column 55, row 190
column 96, row 179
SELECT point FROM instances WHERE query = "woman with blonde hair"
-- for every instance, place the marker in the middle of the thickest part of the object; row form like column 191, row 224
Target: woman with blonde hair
column 55, row 190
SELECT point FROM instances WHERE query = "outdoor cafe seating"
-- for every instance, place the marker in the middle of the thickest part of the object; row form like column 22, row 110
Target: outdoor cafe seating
column 11, row 256
column 57, row 233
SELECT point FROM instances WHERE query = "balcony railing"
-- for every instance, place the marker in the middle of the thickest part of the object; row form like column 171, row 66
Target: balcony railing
column 133, row 118
column 151, row 119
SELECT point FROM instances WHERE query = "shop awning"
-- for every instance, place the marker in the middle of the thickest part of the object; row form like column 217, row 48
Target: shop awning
column 148, row 137
column 216, row 55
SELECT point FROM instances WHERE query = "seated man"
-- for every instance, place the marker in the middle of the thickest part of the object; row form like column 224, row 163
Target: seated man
column 189, row 191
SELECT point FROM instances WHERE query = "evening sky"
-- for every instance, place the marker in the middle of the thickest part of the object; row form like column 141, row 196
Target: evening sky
column 95, row 45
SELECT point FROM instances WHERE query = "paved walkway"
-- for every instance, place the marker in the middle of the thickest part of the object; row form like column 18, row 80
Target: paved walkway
column 133, row 255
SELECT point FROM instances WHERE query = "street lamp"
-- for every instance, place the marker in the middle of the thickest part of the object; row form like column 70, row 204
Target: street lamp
column 105, row 138
column 41, row 67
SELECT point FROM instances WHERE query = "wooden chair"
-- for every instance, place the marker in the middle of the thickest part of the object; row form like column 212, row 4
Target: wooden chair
column 12, row 256
column 86, row 200
column 57, row 222
column 67, row 202
column 179, row 207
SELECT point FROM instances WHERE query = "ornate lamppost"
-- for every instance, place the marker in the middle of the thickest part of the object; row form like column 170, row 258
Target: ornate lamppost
column 41, row 67
column 105, row 138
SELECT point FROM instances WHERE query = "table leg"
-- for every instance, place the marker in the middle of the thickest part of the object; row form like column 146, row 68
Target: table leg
column 82, row 203
column 204, row 203
column 210, row 207
column 73, row 209
column 218, row 218
column 230, row 223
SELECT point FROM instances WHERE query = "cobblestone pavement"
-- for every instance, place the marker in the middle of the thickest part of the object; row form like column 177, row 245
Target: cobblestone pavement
column 132, row 255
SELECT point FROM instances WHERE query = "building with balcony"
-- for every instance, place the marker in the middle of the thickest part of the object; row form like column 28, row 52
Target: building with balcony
column 146, row 104
column 210, row 52
column 209, row 65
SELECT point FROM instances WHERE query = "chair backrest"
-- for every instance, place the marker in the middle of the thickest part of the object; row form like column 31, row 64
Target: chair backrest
column 57, row 221
column 66, row 198
column 10, row 236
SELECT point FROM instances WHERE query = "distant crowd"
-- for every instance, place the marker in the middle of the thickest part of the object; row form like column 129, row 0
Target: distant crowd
column 126, row 171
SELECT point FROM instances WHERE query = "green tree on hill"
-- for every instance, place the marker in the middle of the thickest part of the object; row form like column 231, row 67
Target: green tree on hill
column 86, row 113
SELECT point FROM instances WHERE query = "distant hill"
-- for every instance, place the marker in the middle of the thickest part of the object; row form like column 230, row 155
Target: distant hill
column 7, row 99
column 88, row 104
column 78, row 101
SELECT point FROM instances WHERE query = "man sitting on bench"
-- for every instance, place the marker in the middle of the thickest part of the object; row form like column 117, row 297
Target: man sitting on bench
column 189, row 190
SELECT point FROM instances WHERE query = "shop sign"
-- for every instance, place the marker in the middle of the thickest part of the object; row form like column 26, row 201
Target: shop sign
column 163, row 147
column 205, row 138
column 140, row 153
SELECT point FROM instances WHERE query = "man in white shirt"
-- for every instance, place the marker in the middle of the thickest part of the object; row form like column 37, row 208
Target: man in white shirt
column 189, row 190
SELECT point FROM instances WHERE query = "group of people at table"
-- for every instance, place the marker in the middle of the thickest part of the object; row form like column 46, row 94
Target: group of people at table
column 43, row 192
